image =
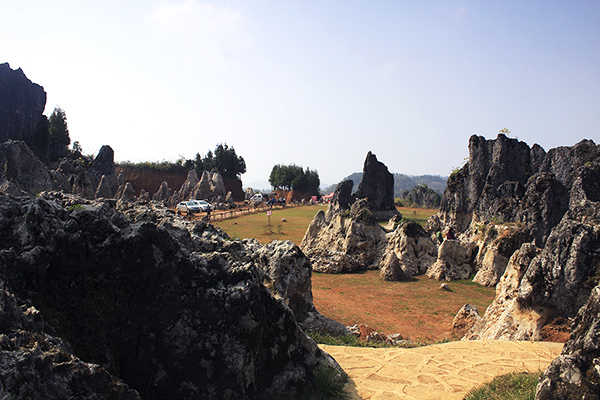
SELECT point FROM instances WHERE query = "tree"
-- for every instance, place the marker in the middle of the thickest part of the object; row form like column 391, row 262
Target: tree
column 59, row 131
column 293, row 177
column 227, row 162
column 224, row 160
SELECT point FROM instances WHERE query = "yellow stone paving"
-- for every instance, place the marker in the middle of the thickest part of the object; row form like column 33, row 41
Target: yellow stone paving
column 444, row 371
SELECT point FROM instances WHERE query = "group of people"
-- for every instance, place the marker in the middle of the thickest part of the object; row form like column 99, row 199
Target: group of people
column 450, row 235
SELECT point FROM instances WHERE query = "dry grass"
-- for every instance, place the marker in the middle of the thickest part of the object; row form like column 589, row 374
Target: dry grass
column 256, row 225
column 417, row 309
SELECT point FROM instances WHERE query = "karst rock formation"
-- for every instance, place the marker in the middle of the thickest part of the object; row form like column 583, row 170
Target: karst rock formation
column 137, row 303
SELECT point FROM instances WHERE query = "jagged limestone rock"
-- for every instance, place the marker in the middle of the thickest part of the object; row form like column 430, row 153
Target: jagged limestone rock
column 422, row 196
column 202, row 190
column 289, row 277
column 170, row 316
column 574, row 374
column 377, row 186
column 19, row 165
column 217, row 186
column 497, row 245
column 163, row 193
column 464, row 320
column 350, row 240
column 505, row 318
column 410, row 249
column 454, row 261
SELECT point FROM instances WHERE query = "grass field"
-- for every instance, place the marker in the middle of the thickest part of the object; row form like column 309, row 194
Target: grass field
column 419, row 215
column 257, row 225
column 297, row 220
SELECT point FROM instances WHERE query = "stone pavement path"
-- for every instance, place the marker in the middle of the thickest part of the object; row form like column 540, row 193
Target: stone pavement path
column 444, row 371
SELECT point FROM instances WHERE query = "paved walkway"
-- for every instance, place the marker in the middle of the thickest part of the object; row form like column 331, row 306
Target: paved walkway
column 446, row 371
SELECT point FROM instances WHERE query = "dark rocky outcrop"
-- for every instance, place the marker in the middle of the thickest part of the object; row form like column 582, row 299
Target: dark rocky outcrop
column 422, row 196
column 170, row 307
column 36, row 365
column 22, row 103
column 377, row 186
column 25, row 172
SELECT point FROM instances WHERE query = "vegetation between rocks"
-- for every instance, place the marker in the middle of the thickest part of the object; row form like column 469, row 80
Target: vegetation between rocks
column 513, row 386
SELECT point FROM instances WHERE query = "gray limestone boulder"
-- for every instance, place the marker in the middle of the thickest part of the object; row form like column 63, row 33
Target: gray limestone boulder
column 289, row 274
column 217, row 185
column 106, row 187
column 464, row 320
column 202, row 190
column 506, row 318
column 163, row 193
column 454, row 261
column 188, row 185
column 410, row 251
column 422, row 196
column 345, row 241
column 497, row 244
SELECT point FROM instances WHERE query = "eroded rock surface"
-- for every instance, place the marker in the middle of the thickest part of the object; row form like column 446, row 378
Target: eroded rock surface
column 347, row 238
column 542, row 284
column 575, row 373
column 422, row 196
column 410, row 251
column 173, row 309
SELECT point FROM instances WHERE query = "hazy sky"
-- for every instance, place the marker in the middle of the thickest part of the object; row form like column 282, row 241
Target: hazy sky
column 314, row 83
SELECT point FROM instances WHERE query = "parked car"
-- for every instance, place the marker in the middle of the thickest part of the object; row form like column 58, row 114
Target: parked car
column 190, row 206
column 257, row 199
column 204, row 205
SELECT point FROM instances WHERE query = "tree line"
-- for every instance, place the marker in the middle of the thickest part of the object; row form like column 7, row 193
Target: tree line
column 293, row 177
column 223, row 160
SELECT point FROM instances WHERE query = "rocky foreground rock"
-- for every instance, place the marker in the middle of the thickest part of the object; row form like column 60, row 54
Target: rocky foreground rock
column 155, row 307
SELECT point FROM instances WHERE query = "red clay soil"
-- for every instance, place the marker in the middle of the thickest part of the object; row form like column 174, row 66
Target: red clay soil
column 416, row 309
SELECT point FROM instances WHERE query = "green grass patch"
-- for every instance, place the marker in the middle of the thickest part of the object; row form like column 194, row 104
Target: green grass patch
column 418, row 215
column 513, row 386
column 346, row 340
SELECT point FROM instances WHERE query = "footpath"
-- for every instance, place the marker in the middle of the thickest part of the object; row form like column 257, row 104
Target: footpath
column 445, row 371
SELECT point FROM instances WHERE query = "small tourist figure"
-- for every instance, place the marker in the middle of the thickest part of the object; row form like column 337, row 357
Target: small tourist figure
column 439, row 236
column 450, row 234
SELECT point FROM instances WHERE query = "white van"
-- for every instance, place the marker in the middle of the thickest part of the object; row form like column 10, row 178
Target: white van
column 257, row 199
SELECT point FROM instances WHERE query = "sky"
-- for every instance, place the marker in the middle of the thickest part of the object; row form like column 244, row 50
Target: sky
column 312, row 83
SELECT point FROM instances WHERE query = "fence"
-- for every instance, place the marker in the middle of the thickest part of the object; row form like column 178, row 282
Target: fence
column 246, row 210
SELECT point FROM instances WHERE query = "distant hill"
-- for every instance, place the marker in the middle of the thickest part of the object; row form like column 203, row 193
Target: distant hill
column 401, row 182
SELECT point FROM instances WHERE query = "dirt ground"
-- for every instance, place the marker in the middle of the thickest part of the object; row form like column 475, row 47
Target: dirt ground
column 416, row 309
